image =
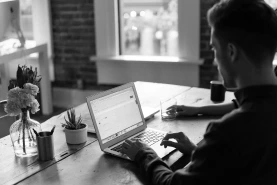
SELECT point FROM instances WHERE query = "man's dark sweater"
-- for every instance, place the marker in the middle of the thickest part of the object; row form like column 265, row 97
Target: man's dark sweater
column 240, row 148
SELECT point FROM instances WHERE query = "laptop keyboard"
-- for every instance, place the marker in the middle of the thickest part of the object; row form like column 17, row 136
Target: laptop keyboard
column 149, row 137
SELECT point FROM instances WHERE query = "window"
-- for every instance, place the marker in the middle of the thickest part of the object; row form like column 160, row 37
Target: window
column 149, row 27
column 114, row 67
column 26, row 20
column 107, row 24
column 272, row 3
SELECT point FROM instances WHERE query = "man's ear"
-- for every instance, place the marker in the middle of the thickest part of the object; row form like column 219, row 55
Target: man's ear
column 233, row 52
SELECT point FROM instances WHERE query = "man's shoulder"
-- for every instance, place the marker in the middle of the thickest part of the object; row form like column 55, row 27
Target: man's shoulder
column 233, row 117
column 229, row 119
column 233, row 122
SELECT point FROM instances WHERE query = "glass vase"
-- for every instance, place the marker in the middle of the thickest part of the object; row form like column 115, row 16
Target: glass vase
column 23, row 137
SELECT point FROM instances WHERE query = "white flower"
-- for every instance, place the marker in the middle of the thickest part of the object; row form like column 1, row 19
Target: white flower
column 31, row 88
column 13, row 108
column 34, row 106
column 20, row 98
column 25, row 98
column 14, row 93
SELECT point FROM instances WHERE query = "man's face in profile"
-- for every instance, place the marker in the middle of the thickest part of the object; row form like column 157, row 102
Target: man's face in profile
column 222, row 60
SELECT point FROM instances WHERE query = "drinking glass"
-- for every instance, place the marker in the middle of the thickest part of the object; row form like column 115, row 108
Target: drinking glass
column 168, row 109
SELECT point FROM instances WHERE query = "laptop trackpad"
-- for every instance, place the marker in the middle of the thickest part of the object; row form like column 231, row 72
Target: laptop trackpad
column 161, row 151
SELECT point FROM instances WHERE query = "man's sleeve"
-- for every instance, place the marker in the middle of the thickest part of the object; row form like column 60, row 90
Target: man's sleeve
column 205, row 167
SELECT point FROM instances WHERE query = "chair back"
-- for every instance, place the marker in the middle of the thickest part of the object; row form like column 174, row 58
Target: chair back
column 5, row 121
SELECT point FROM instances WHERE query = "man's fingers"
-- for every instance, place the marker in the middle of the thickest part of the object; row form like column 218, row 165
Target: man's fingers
column 133, row 141
column 128, row 141
column 170, row 143
column 125, row 145
column 180, row 108
column 172, row 107
column 123, row 150
column 169, row 112
column 138, row 140
column 176, row 136
column 182, row 113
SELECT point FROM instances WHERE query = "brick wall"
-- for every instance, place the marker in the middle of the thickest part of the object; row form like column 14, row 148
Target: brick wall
column 208, row 71
column 74, row 43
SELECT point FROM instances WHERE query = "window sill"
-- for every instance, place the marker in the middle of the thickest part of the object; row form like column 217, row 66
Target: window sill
column 123, row 69
column 155, row 59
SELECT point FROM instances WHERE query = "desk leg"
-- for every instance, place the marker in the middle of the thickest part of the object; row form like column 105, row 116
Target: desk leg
column 4, row 71
column 45, row 84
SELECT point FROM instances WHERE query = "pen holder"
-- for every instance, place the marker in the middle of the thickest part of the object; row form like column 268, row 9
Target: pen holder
column 45, row 146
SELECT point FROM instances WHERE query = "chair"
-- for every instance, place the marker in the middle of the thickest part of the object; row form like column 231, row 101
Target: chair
column 5, row 121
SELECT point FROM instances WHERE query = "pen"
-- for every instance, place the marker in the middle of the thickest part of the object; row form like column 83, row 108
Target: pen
column 52, row 130
column 35, row 132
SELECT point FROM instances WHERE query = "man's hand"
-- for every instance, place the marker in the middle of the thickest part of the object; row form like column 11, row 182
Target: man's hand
column 183, row 143
column 182, row 110
column 131, row 147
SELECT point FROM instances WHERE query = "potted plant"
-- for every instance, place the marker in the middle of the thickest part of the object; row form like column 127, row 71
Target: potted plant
column 75, row 130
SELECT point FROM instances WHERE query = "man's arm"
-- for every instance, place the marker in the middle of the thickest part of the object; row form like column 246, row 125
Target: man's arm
column 209, row 160
column 209, row 110
column 217, row 109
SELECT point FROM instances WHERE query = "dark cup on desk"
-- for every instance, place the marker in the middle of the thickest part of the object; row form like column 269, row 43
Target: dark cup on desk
column 45, row 146
column 217, row 91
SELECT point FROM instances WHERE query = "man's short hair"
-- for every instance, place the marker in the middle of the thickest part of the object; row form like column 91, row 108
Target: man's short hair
column 249, row 24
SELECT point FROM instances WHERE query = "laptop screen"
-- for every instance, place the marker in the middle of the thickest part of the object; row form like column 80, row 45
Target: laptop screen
column 116, row 114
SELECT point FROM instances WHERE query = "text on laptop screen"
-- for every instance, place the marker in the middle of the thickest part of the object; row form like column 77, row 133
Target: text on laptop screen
column 116, row 114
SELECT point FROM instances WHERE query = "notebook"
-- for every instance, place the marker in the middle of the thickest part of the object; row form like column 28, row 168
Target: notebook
column 117, row 115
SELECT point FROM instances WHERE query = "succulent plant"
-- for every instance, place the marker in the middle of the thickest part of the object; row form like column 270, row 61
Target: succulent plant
column 72, row 123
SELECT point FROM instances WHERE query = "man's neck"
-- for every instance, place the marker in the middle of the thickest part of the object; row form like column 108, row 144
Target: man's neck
column 258, row 77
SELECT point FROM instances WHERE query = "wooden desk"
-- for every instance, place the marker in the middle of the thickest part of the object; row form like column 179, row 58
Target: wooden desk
column 88, row 164
column 45, row 84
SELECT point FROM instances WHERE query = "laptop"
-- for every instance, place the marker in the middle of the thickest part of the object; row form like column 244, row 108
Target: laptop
column 148, row 113
column 117, row 115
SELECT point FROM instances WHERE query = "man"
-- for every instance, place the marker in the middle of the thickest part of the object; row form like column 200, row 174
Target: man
column 241, row 147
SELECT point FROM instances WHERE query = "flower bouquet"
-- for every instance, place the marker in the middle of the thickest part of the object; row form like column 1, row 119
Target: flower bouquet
column 22, row 99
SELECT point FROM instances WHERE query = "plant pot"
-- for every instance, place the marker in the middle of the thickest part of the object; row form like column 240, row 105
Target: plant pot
column 76, row 136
